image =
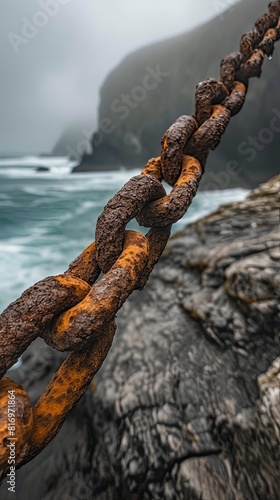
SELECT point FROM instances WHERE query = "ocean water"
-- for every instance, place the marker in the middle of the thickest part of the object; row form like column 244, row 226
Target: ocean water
column 47, row 219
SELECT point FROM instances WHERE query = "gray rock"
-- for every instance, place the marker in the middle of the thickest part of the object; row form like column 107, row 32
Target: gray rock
column 186, row 405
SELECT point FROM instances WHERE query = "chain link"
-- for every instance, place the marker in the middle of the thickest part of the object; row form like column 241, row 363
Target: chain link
column 76, row 311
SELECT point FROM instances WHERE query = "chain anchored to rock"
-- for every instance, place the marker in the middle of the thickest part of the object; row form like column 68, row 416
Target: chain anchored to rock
column 76, row 311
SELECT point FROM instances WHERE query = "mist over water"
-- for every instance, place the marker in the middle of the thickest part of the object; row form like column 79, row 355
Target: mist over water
column 47, row 219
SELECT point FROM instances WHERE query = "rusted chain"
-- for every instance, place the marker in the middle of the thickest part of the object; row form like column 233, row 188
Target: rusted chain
column 76, row 311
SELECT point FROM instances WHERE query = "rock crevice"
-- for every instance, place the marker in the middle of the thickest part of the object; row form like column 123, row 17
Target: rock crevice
column 186, row 405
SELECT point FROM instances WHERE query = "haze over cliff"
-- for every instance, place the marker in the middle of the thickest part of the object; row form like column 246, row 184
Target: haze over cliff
column 56, row 53
column 153, row 86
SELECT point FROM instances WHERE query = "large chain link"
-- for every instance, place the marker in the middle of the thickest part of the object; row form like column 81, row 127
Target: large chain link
column 75, row 311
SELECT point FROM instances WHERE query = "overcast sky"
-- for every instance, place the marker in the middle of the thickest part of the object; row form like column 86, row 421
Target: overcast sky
column 56, row 53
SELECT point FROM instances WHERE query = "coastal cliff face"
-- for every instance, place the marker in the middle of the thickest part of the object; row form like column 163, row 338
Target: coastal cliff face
column 143, row 96
column 186, row 405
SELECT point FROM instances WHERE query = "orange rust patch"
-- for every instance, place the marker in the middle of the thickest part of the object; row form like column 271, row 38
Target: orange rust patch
column 81, row 287
column 75, row 383
column 191, row 169
column 153, row 168
column 104, row 298
column 218, row 109
column 87, row 255
column 240, row 86
column 21, row 410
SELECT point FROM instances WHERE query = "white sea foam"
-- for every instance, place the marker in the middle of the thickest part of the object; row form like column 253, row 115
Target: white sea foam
column 47, row 219
column 26, row 166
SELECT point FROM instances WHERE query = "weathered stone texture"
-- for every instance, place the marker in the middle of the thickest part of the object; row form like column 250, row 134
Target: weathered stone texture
column 187, row 403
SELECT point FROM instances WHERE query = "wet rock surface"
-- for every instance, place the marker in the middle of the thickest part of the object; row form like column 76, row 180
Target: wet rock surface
column 186, row 405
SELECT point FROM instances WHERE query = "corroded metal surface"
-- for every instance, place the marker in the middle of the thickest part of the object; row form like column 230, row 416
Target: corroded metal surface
column 21, row 411
column 79, row 326
column 74, row 311
column 171, row 208
column 120, row 210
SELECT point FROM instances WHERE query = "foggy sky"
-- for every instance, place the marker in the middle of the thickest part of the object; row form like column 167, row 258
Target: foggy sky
column 51, row 75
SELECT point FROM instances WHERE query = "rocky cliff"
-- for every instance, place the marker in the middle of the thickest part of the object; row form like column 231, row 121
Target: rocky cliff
column 153, row 86
column 186, row 405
